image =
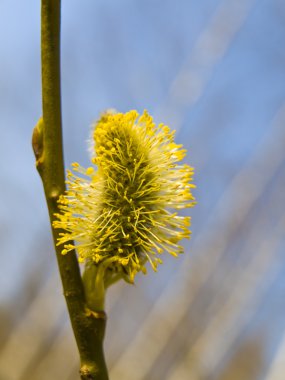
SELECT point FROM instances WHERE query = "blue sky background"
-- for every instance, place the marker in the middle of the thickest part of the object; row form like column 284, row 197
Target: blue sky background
column 214, row 71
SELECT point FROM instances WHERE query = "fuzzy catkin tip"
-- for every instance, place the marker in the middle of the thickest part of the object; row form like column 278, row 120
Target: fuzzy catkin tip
column 124, row 213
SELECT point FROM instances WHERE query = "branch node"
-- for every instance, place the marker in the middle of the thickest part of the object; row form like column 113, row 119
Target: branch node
column 95, row 314
column 88, row 372
column 38, row 141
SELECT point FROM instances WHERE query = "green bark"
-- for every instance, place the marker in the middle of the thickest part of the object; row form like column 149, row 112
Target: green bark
column 88, row 326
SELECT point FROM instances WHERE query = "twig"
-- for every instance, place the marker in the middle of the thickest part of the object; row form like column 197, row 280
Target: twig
column 88, row 326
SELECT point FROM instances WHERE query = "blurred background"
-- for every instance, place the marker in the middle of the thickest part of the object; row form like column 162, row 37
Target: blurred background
column 214, row 71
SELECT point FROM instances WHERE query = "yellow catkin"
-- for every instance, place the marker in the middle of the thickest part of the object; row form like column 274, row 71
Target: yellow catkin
column 124, row 214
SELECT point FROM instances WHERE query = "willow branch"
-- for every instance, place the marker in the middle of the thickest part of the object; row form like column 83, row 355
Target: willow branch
column 88, row 326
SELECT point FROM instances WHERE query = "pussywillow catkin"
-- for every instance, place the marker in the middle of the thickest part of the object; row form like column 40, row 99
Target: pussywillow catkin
column 125, row 213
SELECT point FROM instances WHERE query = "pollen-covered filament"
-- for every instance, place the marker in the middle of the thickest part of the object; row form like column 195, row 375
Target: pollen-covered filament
column 126, row 210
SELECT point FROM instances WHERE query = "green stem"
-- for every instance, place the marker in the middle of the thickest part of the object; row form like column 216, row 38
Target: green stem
column 88, row 326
